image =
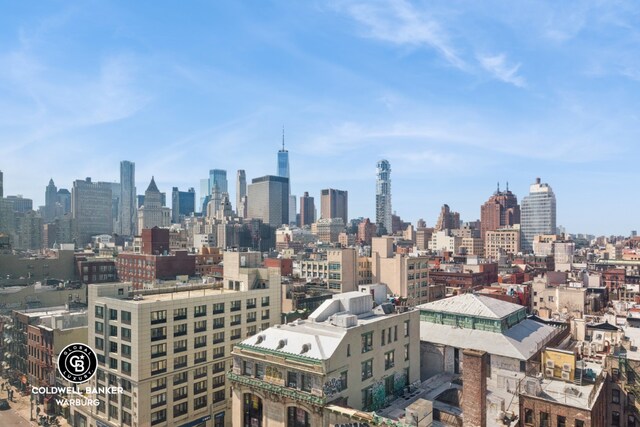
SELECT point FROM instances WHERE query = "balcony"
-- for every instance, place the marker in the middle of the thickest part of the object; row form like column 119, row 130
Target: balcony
column 294, row 394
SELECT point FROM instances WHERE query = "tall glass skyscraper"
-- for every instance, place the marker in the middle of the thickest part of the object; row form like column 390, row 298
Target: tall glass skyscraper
column 383, row 196
column 283, row 161
column 538, row 214
column 218, row 177
column 127, row 203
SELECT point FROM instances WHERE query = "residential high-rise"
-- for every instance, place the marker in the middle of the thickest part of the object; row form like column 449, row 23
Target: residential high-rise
column 383, row 196
column 241, row 189
column 307, row 210
column 218, row 178
column 183, row 203
column 269, row 200
column 91, row 209
column 152, row 213
column 501, row 210
column 50, row 200
column 447, row 220
column 538, row 214
column 127, row 211
column 334, row 204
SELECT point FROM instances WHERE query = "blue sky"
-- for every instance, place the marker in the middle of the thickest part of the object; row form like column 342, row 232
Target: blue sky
column 456, row 95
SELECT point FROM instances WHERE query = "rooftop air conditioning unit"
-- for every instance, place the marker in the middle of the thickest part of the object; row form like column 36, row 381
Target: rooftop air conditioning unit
column 566, row 367
column 548, row 372
column 566, row 376
column 550, row 364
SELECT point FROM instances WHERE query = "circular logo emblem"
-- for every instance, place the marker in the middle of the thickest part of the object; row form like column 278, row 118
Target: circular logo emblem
column 77, row 363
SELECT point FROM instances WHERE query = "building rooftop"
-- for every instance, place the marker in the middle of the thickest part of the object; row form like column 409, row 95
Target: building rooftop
column 521, row 341
column 577, row 396
column 473, row 305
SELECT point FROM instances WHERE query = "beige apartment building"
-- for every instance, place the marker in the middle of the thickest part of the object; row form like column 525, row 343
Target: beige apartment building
column 347, row 354
column 169, row 348
column 338, row 268
column 502, row 241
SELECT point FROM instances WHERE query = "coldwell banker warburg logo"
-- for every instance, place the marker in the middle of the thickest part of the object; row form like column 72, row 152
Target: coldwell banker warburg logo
column 77, row 363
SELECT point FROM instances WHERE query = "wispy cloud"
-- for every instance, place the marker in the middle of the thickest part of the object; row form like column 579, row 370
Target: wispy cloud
column 498, row 66
column 400, row 23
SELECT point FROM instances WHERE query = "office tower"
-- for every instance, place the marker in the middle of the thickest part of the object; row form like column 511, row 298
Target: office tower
column 269, row 200
column 241, row 189
column 538, row 214
column 218, row 178
column 293, row 212
column 383, row 196
column 152, row 213
column 50, row 200
column 64, row 201
column 334, row 204
column 128, row 208
column 183, row 203
column 170, row 349
column 204, row 192
column 307, row 210
column 501, row 210
column 1, row 185
column 116, row 189
column 447, row 220
column 91, row 209
column 283, row 160
column 20, row 204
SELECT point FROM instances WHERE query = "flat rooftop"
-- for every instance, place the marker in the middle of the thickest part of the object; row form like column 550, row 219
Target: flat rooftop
column 566, row 393
column 172, row 294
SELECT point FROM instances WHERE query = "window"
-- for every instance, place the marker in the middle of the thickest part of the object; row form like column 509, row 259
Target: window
column 201, row 356
column 125, row 350
column 126, row 401
column 180, row 409
column 251, row 330
column 292, row 379
column 406, row 328
column 200, row 326
column 631, row 421
column 406, row 352
column 125, row 334
column 158, row 350
column 99, row 344
column 579, row 423
column 99, row 328
column 179, row 362
column 125, row 318
column 158, row 384
column 218, row 323
column 199, row 311
column 383, row 336
column 395, row 333
column 367, row 398
column 180, row 378
column 265, row 314
column 200, row 341
column 159, row 316
column 113, row 412
column 305, row 382
column 218, row 396
column 251, row 317
column 615, row 396
column 113, row 347
column 218, row 367
column 113, row 314
column 126, row 385
column 348, row 350
column 561, row 421
column 367, row 342
column 251, row 303
column 99, row 312
column 218, row 337
column 259, row 370
column 179, row 330
column 218, row 381
column 113, row 363
column 199, row 387
column 200, row 402
column 544, row 420
column 126, row 418
column 179, row 313
column 265, row 301
column 528, row 416
column 158, row 367
column 247, row 368
column 367, row 369
column 158, row 400
column 180, row 393
column 236, row 305
column 218, row 308
column 389, row 359
column 200, row 372
column 298, row 417
column 158, row 417
column 389, row 385
column 113, row 331
column 179, row 346
column 344, row 380
column 615, row 418
column 158, row 333
column 236, row 334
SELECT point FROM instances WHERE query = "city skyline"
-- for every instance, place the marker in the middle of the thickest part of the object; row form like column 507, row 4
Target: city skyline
column 453, row 106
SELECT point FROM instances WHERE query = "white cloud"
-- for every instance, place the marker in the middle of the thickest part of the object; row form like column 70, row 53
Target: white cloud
column 498, row 66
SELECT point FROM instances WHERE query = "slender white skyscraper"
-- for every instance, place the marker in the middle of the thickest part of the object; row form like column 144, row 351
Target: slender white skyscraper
column 383, row 196
column 127, row 211
column 241, row 188
column 538, row 214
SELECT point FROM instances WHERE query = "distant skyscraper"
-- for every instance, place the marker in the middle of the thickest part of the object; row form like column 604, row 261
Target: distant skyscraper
column 116, row 192
column 20, row 204
column 204, row 192
column 383, row 196
column 91, row 209
column 241, row 188
column 447, row 220
column 269, row 200
column 50, row 200
column 334, row 204
column 127, row 211
column 283, row 161
column 64, row 200
column 307, row 210
column 538, row 214
column 183, row 203
column 501, row 210
column 218, row 178
column 1, row 185
column 153, row 213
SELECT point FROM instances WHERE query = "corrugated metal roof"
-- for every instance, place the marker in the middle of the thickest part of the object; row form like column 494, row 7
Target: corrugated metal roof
column 473, row 305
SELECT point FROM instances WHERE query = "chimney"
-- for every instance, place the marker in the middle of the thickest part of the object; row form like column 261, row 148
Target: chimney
column 538, row 180
column 474, row 380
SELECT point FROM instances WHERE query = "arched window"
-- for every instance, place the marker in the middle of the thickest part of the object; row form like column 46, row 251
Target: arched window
column 252, row 411
column 297, row 417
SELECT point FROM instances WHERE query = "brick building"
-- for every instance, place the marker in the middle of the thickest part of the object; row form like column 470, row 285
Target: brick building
column 141, row 268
